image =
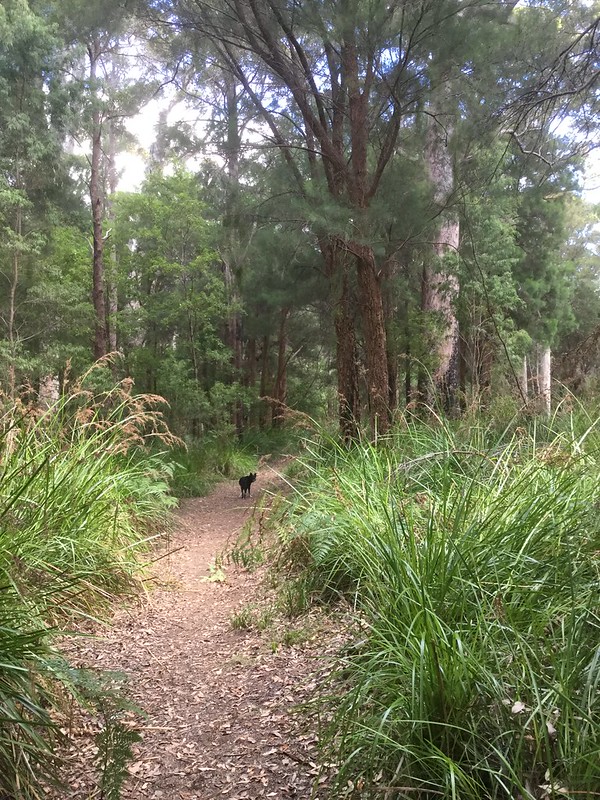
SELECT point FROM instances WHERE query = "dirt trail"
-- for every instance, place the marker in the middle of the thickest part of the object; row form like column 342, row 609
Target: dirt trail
column 217, row 700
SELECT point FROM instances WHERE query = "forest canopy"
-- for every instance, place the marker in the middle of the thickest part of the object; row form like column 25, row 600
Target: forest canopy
column 349, row 209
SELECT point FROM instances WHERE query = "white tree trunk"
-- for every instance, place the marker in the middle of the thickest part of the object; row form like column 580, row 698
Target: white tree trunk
column 523, row 381
column 545, row 376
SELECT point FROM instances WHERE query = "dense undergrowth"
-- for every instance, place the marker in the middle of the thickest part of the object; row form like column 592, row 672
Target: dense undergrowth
column 202, row 463
column 79, row 501
column 472, row 563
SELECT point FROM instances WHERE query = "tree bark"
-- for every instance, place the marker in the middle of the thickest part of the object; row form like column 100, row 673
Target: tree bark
column 111, row 282
column 545, row 378
column 336, row 265
column 12, row 303
column 523, row 380
column 485, row 365
column 408, row 393
column 94, row 52
column 264, row 417
column 389, row 310
column 249, row 376
column 231, row 229
column 280, row 394
column 441, row 287
column 375, row 341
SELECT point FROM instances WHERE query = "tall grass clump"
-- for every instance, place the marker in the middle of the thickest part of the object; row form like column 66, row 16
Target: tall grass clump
column 473, row 567
column 79, row 501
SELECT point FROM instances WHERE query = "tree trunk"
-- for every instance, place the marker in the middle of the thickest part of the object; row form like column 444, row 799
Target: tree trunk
column 264, row 417
column 390, row 312
column 94, row 51
column 485, row 365
column 233, row 337
column 249, row 376
column 231, row 229
column 12, row 304
column 281, row 382
column 336, row 265
column 545, row 376
column 370, row 302
column 250, row 363
column 408, row 365
column 111, row 319
column 523, row 381
column 441, row 288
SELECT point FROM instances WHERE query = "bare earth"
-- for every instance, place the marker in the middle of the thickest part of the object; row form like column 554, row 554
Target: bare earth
column 219, row 701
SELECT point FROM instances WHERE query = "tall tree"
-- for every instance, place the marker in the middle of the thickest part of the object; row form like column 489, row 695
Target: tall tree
column 351, row 78
column 32, row 118
column 108, row 35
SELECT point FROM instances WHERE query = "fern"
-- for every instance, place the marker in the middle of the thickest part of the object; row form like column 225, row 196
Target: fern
column 114, row 743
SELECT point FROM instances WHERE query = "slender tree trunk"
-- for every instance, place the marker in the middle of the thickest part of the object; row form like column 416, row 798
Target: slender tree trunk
column 111, row 319
column 12, row 301
column 233, row 336
column 486, row 362
column 392, row 367
column 193, row 350
column 231, row 228
column 441, row 287
column 545, row 377
column 336, row 264
column 523, row 380
column 408, row 362
column 281, row 382
column 391, row 341
column 94, row 51
column 249, row 373
column 264, row 417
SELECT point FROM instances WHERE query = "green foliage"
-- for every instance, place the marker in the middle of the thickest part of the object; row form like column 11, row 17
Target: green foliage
column 541, row 274
column 473, row 564
column 204, row 462
column 249, row 549
column 34, row 183
column 176, row 300
column 27, row 732
column 242, row 620
column 114, row 743
column 578, row 345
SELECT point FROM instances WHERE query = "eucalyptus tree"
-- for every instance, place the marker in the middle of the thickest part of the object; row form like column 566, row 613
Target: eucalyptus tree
column 33, row 175
column 352, row 80
column 105, row 47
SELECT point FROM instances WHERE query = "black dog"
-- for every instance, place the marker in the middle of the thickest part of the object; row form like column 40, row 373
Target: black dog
column 245, row 483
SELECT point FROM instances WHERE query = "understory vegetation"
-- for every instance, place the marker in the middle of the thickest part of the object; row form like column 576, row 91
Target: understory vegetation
column 470, row 561
column 80, row 499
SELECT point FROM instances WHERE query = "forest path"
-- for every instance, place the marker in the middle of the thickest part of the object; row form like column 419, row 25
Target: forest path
column 217, row 699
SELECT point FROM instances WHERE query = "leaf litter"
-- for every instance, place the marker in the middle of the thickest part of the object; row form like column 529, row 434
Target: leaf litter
column 219, row 718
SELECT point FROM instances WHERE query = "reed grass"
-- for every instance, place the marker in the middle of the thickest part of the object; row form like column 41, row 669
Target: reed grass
column 79, row 500
column 473, row 566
